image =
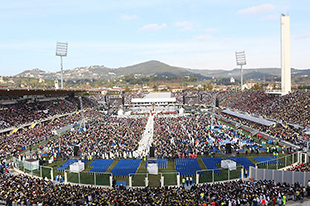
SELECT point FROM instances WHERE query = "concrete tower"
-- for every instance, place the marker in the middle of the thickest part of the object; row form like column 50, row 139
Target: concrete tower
column 285, row 55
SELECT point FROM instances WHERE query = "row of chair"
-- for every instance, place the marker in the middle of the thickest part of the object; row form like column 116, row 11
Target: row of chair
column 100, row 165
column 265, row 160
column 210, row 163
column 124, row 167
column 68, row 163
column 162, row 163
column 245, row 162
column 187, row 166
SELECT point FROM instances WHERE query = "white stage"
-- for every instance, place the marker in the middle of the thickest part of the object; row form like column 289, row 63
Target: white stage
column 152, row 167
column 228, row 164
column 77, row 167
column 31, row 164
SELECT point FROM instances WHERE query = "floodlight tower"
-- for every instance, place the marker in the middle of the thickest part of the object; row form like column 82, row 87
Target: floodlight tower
column 240, row 58
column 61, row 50
column 285, row 55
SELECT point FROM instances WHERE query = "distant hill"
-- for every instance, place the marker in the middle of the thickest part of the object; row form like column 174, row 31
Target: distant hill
column 149, row 68
column 247, row 73
column 156, row 68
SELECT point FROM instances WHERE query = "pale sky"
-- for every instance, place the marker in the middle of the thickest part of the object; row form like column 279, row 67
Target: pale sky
column 198, row 34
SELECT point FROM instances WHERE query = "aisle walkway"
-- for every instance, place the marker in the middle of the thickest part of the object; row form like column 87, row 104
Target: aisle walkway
column 146, row 140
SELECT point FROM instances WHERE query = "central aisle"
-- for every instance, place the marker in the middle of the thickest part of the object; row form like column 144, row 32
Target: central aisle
column 146, row 140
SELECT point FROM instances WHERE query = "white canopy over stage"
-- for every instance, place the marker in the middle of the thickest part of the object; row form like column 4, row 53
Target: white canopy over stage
column 155, row 98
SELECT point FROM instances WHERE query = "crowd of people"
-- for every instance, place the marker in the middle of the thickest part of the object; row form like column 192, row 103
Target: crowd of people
column 277, row 131
column 292, row 108
column 111, row 137
column 301, row 167
column 105, row 137
column 27, row 111
column 174, row 137
column 26, row 190
column 128, row 96
column 192, row 135
column 24, row 138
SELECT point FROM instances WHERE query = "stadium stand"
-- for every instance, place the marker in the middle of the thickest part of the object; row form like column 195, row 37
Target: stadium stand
column 174, row 136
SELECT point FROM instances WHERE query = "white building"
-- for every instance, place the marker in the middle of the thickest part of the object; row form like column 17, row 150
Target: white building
column 285, row 55
column 232, row 80
column 56, row 84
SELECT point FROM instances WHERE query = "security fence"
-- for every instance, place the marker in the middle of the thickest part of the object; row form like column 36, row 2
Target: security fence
column 279, row 175
column 263, row 170
column 279, row 163
column 170, row 178
column 215, row 175
column 99, row 179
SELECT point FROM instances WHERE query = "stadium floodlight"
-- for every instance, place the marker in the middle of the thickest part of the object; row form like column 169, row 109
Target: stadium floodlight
column 61, row 50
column 240, row 58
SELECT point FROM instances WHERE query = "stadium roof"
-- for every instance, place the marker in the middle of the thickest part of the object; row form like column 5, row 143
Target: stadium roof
column 21, row 92
column 250, row 118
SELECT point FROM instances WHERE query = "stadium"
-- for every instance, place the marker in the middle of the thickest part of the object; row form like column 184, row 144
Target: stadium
column 67, row 147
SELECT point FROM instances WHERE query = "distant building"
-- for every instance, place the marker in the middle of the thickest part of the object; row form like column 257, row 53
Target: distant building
column 162, row 87
column 176, row 89
column 56, row 84
column 249, row 85
column 232, row 80
column 11, row 81
column 271, row 85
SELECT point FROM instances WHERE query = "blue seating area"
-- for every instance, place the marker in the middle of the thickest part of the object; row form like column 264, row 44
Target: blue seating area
column 187, row 166
column 124, row 167
column 263, row 160
column 245, row 162
column 162, row 163
column 68, row 163
column 100, row 165
column 211, row 164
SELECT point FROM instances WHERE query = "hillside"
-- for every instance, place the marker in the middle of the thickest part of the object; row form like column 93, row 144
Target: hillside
column 156, row 68
column 150, row 68
column 159, row 69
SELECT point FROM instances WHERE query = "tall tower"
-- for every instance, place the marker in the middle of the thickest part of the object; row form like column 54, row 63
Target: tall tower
column 285, row 55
